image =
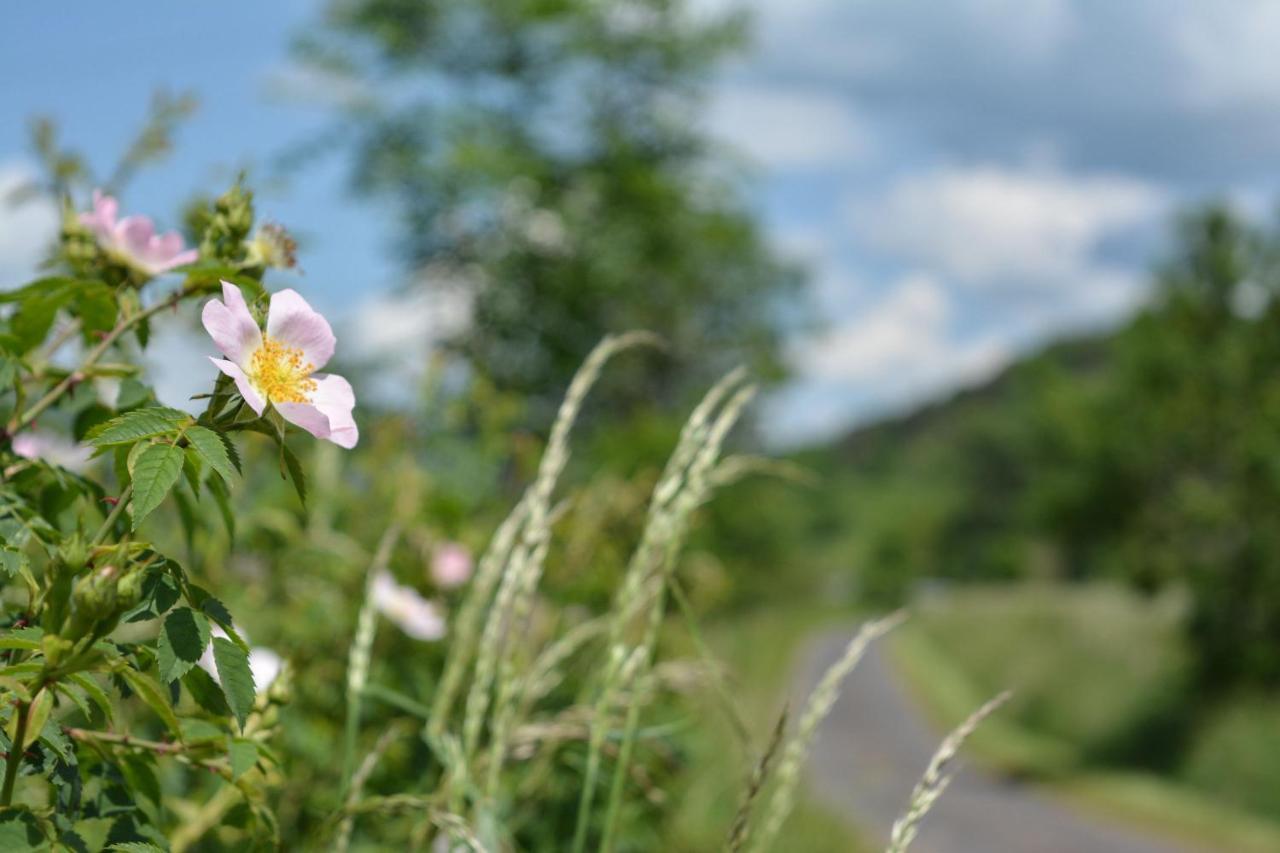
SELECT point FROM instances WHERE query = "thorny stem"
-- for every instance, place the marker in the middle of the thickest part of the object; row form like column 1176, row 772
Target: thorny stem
column 18, row 422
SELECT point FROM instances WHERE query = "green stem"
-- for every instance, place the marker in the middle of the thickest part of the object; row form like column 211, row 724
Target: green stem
column 18, row 422
column 619, row 777
column 358, row 658
column 113, row 516
column 15, row 755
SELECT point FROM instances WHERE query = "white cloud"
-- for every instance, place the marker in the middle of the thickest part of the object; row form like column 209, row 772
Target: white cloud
column 902, row 345
column 406, row 326
column 991, row 227
column 896, row 353
column 27, row 226
column 789, row 128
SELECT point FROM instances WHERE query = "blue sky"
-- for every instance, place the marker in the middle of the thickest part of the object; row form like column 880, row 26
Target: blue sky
column 964, row 179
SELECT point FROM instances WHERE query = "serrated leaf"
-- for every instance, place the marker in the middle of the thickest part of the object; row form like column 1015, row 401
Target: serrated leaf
column 11, row 561
column 157, row 470
column 27, row 639
column 134, row 847
column 296, row 474
column 206, row 692
column 210, row 447
column 223, row 500
column 95, row 693
column 136, row 425
column 94, row 831
column 155, row 697
column 20, row 831
column 51, row 736
column 235, row 676
column 218, row 612
column 196, row 730
column 182, row 641
column 243, row 754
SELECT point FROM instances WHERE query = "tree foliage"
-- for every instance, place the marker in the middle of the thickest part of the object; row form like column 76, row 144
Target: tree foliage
column 549, row 168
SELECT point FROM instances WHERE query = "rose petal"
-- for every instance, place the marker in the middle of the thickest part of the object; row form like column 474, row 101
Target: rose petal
column 306, row 416
column 294, row 323
column 250, row 394
column 328, row 415
column 231, row 325
column 335, row 398
column 134, row 234
column 102, row 219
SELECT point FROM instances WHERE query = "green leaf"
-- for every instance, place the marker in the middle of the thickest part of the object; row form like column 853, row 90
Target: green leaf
column 20, row 831
column 51, row 736
column 206, row 692
column 37, row 716
column 155, row 696
column 236, row 677
column 11, row 561
column 210, row 447
column 181, row 643
column 217, row 611
column 223, row 500
column 27, row 639
column 136, row 425
column 296, row 474
column 157, row 470
column 134, row 847
column 94, row 831
column 95, row 693
column 243, row 754
column 196, row 730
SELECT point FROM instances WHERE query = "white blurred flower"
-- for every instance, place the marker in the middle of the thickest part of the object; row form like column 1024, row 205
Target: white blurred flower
column 451, row 565
column 52, row 448
column 264, row 664
column 416, row 616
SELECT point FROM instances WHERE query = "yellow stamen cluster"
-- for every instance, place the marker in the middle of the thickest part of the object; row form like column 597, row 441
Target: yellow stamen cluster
column 280, row 374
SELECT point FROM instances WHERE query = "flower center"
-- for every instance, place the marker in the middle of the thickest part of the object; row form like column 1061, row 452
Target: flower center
column 280, row 374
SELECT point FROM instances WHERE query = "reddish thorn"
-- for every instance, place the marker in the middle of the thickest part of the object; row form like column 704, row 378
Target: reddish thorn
column 110, row 501
column 100, row 334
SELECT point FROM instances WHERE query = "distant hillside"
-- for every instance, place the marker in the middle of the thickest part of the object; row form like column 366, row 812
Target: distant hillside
column 1084, row 356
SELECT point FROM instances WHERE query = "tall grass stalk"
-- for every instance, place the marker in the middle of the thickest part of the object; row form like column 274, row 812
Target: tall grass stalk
column 358, row 658
column 495, row 679
column 740, row 829
column 937, row 776
column 821, row 700
column 699, row 483
column 356, row 785
column 684, row 485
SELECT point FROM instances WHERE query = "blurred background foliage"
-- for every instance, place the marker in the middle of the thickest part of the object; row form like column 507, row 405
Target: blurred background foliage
column 547, row 170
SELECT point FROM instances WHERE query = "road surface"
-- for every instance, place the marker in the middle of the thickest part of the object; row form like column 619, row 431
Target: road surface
column 872, row 749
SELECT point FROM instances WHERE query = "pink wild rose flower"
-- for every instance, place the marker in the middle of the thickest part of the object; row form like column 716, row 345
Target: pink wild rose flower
column 451, row 565
column 134, row 239
column 279, row 367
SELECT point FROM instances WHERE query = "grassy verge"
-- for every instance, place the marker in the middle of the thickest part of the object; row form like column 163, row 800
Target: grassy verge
column 1088, row 664
column 759, row 650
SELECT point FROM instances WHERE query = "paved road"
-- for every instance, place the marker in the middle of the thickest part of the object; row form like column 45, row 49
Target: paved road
column 873, row 747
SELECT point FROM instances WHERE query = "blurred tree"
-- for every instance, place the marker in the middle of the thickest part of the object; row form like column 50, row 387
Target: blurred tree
column 550, row 167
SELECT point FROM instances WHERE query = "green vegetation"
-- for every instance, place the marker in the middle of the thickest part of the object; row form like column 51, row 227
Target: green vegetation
column 757, row 650
column 1093, row 668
